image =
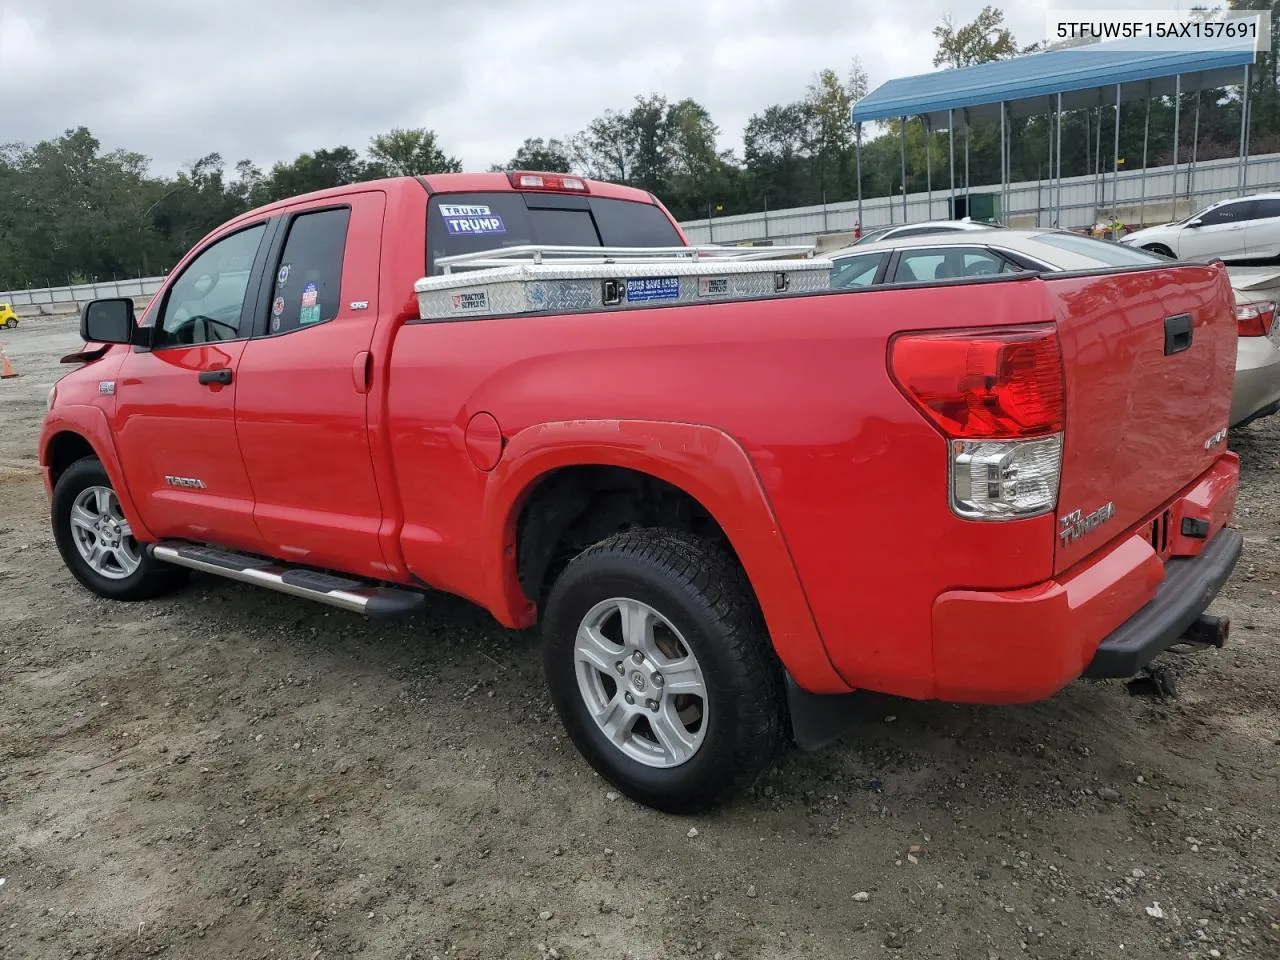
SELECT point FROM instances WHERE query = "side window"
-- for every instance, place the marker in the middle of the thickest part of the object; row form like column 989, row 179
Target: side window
column 308, row 278
column 921, row 266
column 856, row 271
column 1266, row 209
column 1228, row 213
column 204, row 304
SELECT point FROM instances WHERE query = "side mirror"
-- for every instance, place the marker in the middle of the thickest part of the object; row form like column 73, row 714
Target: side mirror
column 108, row 321
column 1192, row 223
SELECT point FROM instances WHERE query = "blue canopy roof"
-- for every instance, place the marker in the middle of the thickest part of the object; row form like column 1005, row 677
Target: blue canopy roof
column 1085, row 76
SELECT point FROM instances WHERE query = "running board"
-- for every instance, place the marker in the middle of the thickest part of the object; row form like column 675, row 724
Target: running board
column 347, row 593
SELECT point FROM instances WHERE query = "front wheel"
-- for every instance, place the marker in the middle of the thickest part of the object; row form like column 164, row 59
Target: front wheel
column 661, row 670
column 96, row 542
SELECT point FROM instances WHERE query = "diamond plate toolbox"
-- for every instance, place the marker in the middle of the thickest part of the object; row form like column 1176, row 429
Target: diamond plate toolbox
column 565, row 288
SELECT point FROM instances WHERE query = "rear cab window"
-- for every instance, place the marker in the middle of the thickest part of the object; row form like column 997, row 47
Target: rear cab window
column 460, row 223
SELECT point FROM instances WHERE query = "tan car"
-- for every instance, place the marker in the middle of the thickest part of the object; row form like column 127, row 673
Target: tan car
column 941, row 255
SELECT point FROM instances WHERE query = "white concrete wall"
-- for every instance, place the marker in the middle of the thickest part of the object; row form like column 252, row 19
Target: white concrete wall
column 1030, row 202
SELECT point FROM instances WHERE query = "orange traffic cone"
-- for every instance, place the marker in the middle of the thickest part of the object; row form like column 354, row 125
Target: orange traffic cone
column 6, row 365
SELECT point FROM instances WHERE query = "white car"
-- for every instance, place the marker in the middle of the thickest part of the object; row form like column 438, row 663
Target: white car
column 922, row 228
column 1243, row 229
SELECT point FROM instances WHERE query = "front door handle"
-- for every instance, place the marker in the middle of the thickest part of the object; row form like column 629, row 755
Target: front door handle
column 221, row 375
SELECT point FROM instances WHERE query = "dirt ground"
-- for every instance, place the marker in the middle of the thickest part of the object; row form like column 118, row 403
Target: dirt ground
column 228, row 773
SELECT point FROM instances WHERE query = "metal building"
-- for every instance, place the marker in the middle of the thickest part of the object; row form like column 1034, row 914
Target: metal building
column 1047, row 84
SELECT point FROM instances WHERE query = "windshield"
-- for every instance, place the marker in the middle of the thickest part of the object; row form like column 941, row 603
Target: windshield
column 473, row 222
column 1103, row 251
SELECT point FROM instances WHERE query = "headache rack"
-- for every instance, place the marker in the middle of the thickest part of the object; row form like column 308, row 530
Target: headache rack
column 554, row 279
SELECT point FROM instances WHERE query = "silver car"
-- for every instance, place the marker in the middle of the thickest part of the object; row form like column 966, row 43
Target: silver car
column 953, row 255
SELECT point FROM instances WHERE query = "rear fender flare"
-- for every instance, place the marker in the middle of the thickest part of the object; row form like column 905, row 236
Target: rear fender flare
column 90, row 424
column 705, row 463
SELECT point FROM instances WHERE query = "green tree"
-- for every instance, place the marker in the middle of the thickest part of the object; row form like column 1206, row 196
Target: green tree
column 409, row 153
column 542, row 156
column 984, row 39
column 604, row 150
column 312, row 171
column 776, row 151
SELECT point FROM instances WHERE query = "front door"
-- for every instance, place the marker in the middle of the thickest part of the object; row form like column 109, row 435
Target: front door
column 303, row 382
column 1220, row 233
column 175, row 401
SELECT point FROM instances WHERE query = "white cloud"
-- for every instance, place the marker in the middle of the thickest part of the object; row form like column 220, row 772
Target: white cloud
column 267, row 79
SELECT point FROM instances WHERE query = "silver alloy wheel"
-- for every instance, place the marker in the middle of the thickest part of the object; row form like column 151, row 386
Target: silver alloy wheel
column 641, row 682
column 102, row 535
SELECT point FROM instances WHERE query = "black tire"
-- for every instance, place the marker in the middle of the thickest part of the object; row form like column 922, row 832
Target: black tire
column 1161, row 249
column 703, row 593
column 11, row 322
column 152, row 577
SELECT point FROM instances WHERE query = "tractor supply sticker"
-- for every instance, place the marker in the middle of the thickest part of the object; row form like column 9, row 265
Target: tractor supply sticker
column 470, row 302
column 471, row 220
column 310, row 311
column 275, row 324
column 283, row 276
column 277, row 307
column 653, row 288
column 713, row 286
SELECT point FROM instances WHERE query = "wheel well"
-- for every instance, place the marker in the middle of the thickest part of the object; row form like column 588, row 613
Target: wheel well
column 65, row 449
column 574, row 507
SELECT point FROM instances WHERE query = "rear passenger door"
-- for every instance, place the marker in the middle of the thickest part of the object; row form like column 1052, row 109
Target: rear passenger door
column 1262, row 230
column 303, row 384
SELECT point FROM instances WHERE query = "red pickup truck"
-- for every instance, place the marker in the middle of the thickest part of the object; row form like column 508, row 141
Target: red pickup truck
column 724, row 515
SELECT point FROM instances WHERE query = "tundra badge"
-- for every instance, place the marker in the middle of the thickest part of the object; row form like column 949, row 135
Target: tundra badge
column 191, row 483
column 1076, row 524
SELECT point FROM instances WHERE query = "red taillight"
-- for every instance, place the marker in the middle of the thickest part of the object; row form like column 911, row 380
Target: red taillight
column 1255, row 319
column 553, row 182
column 979, row 384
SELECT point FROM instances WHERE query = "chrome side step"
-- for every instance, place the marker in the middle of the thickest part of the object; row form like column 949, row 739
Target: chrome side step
column 346, row 593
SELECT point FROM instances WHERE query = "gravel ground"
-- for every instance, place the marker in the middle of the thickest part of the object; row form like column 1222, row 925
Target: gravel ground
column 229, row 773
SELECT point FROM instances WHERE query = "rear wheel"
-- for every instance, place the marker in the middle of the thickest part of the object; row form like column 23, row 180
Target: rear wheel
column 11, row 322
column 96, row 541
column 1161, row 249
column 661, row 670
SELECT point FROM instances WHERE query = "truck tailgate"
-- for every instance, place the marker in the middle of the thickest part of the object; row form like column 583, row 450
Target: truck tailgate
column 1146, row 410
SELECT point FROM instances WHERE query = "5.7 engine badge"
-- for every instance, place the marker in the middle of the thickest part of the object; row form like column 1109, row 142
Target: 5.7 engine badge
column 1076, row 524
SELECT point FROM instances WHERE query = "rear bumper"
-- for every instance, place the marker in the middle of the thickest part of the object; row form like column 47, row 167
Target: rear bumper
column 1257, row 385
column 1189, row 586
column 1108, row 616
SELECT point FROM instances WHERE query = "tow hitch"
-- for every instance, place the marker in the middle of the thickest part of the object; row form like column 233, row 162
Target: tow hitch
column 1207, row 631
column 1157, row 681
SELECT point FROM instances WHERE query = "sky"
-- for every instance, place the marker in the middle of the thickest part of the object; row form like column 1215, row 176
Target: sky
column 268, row 79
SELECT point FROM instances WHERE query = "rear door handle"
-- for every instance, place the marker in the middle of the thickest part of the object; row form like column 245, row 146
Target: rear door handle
column 1177, row 334
column 221, row 375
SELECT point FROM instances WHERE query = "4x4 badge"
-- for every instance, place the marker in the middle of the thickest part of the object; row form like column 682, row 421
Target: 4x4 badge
column 1216, row 439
